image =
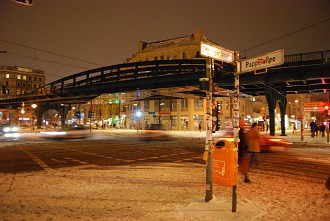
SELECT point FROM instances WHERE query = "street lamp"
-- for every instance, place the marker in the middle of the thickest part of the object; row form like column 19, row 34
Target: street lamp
column 34, row 106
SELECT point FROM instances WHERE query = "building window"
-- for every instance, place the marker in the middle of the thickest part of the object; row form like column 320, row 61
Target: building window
column 156, row 58
column 198, row 104
column 40, row 79
column 146, row 105
column 34, row 86
column 7, row 75
column 184, row 55
column 162, row 57
column 168, row 57
column 24, row 77
column 184, row 104
column 29, row 78
column 35, row 78
column 19, row 77
column 220, row 106
column 18, row 84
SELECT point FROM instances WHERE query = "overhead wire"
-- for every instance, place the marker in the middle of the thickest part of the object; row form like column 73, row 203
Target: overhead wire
column 285, row 35
column 49, row 52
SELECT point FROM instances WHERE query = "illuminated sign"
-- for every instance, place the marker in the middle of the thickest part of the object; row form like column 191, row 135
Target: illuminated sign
column 270, row 59
column 217, row 53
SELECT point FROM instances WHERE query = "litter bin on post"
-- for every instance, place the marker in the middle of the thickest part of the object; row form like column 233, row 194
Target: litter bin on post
column 225, row 163
column 225, row 166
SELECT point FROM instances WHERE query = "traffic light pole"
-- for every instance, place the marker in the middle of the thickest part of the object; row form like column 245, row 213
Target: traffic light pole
column 302, row 121
column 90, row 118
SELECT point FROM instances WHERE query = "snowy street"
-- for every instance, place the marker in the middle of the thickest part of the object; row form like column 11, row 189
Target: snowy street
column 119, row 177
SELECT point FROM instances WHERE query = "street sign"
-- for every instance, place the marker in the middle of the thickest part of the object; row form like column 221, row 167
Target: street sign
column 270, row 59
column 314, row 104
column 165, row 113
column 216, row 52
column 311, row 109
column 317, row 106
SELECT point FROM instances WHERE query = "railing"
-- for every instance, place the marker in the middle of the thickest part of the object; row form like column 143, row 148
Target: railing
column 121, row 73
column 311, row 56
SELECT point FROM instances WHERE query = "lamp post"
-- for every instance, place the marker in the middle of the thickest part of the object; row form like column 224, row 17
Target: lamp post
column 22, row 116
column 34, row 106
column 296, row 114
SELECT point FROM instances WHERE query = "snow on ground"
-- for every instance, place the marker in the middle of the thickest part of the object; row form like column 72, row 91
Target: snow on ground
column 155, row 192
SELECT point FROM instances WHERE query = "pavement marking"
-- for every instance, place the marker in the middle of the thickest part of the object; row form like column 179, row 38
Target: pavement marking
column 36, row 159
column 58, row 161
column 76, row 161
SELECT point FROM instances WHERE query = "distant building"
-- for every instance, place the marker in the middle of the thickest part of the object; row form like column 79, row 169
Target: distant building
column 19, row 80
column 16, row 81
column 186, row 47
column 177, row 114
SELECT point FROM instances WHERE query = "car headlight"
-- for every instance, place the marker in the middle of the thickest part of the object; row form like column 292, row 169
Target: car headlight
column 6, row 129
column 275, row 140
column 14, row 129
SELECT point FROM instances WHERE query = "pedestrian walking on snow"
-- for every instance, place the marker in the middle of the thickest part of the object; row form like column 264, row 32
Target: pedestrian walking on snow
column 254, row 143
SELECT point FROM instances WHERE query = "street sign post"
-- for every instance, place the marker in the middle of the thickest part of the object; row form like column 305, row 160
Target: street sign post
column 221, row 54
column 265, row 61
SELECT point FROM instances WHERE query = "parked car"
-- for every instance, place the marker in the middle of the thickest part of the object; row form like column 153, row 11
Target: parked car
column 7, row 128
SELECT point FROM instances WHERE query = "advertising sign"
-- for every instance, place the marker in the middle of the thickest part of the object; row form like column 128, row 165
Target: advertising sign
column 270, row 59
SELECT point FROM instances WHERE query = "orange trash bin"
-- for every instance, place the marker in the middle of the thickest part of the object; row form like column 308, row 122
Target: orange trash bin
column 225, row 163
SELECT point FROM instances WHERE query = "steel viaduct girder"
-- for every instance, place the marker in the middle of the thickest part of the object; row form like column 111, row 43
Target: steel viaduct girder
column 302, row 73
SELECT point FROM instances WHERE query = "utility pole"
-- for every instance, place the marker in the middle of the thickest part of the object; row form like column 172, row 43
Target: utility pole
column 209, row 141
column 236, row 118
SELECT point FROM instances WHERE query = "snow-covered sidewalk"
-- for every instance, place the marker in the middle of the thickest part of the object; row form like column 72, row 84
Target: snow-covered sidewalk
column 155, row 192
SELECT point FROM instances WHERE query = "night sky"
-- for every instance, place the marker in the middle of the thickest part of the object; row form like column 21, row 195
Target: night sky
column 64, row 37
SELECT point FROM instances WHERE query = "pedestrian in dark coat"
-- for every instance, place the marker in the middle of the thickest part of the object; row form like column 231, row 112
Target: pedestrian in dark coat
column 313, row 126
column 322, row 129
column 242, row 155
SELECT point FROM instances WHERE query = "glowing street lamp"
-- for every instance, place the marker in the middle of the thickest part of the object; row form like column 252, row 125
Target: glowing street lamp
column 34, row 106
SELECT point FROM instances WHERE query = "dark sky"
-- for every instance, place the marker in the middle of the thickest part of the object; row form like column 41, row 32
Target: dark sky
column 106, row 32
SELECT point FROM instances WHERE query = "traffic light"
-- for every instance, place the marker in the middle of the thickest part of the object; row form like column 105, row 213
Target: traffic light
column 78, row 114
column 91, row 114
column 327, row 109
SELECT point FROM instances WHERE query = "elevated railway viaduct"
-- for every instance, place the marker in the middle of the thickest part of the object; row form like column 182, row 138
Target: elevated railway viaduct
column 300, row 74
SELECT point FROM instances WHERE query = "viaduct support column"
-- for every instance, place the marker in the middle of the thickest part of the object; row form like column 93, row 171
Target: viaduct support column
column 273, row 97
